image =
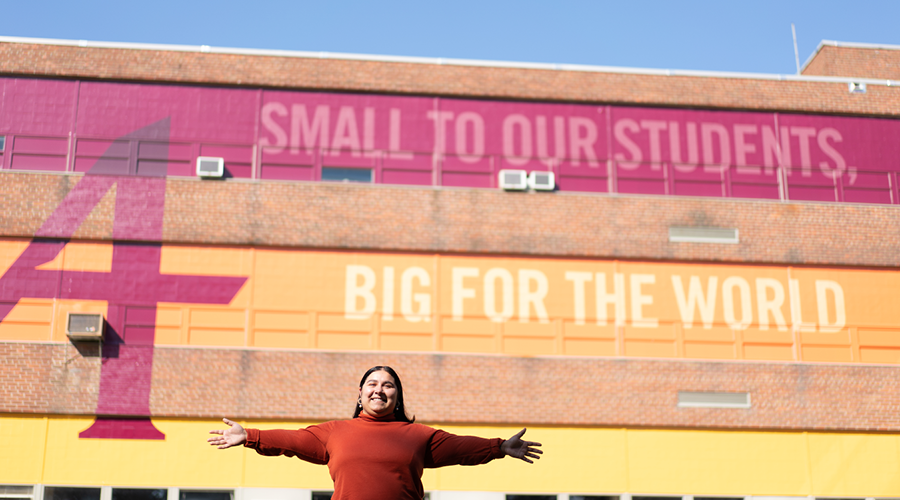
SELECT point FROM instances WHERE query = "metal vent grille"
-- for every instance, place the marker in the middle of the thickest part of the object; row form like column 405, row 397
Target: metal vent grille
column 10, row 489
column 84, row 323
column 513, row 178
column 703, row 235
column 208, row 166
column 688, row 399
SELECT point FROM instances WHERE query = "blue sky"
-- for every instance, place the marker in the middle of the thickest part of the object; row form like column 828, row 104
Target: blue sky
column 748, row 36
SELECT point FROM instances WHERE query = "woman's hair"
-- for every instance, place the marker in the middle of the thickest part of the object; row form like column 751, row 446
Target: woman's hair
column 400, row 408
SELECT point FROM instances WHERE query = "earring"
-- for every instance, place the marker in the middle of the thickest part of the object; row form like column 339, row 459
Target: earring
column 359, row 402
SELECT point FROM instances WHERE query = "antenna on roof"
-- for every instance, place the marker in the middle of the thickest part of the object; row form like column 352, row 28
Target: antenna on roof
column 796, row 52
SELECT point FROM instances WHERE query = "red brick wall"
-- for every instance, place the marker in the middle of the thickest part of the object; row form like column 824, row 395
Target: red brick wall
column 482, row 221
column 443, row 80
column 855, row 62
column 297, row 385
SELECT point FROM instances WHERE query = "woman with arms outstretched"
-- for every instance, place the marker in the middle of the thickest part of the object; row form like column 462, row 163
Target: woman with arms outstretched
column 380, row 453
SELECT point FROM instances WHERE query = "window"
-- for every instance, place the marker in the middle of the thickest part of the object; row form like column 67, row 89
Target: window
column 139, row 494
column 593, row 497
column 341, row 174
column 530, row 497
column 322, row 495
column 2, row 142
column 67, row 493
column 16, row 492
column 206, row 495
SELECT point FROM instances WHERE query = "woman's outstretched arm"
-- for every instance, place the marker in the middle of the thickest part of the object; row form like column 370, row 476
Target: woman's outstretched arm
column 523, row 450
column 234, row 435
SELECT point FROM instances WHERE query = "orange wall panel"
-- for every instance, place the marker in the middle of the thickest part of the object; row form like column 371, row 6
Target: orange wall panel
column 303, row 299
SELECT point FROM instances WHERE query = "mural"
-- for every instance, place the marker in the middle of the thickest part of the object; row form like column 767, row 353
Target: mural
column 132, row 288
column 291, row 135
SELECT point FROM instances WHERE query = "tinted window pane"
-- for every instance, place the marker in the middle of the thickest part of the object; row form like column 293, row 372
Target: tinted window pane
column 347, row 174
column 321, row 495
column 593, row 497
column 530, row 497
column 56, row 493
column 206, row 495
column 139, row 494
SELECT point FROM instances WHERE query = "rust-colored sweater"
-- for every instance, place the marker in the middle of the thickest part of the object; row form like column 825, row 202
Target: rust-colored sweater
column 375, row 459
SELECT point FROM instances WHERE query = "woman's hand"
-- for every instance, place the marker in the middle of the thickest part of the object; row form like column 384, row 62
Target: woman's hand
column 517, row 448
column 233, row 436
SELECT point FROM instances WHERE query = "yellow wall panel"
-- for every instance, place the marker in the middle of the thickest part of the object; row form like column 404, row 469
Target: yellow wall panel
column 22, row 440
column 866, row 465
column 718, row 463
column 47, row 450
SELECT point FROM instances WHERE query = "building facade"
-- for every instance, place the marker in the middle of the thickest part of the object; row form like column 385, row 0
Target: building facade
column 702, row 307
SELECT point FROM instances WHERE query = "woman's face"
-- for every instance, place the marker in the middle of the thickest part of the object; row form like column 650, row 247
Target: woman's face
column 378, row 394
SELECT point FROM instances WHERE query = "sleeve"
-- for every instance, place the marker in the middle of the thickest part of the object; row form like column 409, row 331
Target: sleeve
column 307, row 444
column 449, row 449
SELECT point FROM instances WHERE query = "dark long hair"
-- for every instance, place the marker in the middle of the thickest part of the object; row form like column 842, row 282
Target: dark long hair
column 399, row 408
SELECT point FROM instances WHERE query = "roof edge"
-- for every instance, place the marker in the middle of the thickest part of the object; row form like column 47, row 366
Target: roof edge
column 464, row 62
column 849, row 45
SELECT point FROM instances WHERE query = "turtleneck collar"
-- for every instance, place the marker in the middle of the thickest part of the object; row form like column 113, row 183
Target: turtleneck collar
column 387, row 418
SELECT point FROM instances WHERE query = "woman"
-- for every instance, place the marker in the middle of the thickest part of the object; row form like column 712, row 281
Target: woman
column 380, row 453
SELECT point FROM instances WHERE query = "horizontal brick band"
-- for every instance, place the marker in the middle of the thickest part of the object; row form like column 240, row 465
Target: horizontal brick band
column 302, row 385
column 394, row 218
column 443, row 80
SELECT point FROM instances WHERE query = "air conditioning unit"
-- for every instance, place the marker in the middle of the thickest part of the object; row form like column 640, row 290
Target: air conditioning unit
column 84, row 326
column 542, row 181
column 514, row 180
column 210, row 166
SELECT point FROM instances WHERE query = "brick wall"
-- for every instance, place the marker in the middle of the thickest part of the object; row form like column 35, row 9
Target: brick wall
column 443, row 80
column 298, row 385
column 482, row 221
column 855, row 62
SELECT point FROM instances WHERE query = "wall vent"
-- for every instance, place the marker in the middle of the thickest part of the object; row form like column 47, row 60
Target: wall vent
column 703, row 235
column 513, row 180
column 84, row 326
column 688, row 399
column 209, row 166
column 856, row 87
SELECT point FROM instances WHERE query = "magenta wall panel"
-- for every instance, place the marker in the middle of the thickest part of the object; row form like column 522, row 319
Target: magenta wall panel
column 290, row 135
column 110, row 110
column 288, row 172
column 37, row 107
column 407, row 177
column 38, row 162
